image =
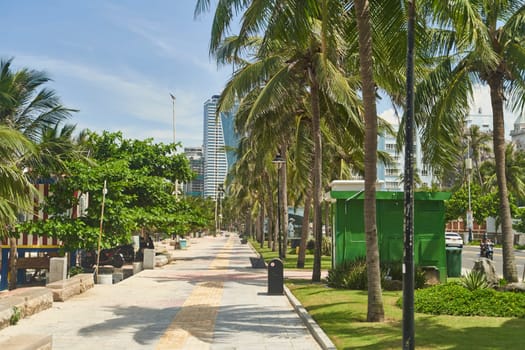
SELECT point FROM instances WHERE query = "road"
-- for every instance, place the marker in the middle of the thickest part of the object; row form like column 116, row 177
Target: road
column 471, row 253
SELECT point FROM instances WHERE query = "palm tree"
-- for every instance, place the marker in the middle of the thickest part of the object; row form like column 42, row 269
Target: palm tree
column 16, row 192
column 300, row 48
column 31, row 109
column 479, row 148
column 514, row 165
column 364, row 29
column 481, row 42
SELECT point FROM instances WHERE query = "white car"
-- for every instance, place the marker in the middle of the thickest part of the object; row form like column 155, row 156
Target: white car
column 453, row 239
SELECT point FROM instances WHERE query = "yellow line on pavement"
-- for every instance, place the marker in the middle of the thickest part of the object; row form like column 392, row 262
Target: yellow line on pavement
column 193, row 326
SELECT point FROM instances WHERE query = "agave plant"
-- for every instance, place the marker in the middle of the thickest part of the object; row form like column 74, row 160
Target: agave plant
column 474, row 280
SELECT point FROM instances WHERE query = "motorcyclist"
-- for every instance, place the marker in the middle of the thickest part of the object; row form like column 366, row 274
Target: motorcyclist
column 486, row 248
column 482, row 247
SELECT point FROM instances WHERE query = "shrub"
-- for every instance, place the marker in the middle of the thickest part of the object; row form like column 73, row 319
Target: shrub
column 474, row 280
column 326, row 247
column 350, row 275
column 454, row 299
column 353, row 275
column 75, row 270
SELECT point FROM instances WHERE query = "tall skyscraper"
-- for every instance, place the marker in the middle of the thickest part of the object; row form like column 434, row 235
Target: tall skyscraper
column 219, row 142
column 195, row 187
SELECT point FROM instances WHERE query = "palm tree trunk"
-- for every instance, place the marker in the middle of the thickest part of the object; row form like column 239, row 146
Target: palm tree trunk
column 317, row 189
column 13, row 257
column 375, row 301
column 260, row 226
column 327, row 226
column 305, row 229
column 269, row 210
column 510, row 272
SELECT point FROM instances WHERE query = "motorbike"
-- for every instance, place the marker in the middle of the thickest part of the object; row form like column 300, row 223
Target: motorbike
column 111, row 256
column 486, row 250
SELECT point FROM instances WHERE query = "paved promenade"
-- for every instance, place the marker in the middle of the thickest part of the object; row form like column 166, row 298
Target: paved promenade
column 208, row 298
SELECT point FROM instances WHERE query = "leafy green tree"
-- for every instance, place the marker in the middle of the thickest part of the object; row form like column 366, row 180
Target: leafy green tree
column 483, row 204
column 139, row 197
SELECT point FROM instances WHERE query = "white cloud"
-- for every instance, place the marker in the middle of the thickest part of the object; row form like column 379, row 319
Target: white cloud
column 136, row 99
column 163, row 39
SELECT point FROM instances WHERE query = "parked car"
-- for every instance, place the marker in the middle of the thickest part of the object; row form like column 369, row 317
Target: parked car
column 453, row 239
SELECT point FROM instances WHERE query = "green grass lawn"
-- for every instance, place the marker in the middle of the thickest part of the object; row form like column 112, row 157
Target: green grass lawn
column 342, row 315
column 290, row 262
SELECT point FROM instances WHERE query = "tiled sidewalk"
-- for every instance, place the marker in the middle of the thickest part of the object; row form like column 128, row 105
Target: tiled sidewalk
column 209, row 298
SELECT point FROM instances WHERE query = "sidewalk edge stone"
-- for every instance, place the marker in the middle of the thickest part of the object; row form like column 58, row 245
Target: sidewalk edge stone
column 316, row 331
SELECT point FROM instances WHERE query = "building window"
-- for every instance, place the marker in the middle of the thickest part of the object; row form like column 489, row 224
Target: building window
column 392, row 184
column 392, row 171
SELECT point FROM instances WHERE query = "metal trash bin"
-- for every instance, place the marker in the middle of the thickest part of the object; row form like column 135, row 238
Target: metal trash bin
column 453, row 261
column 275, row 277
column 183, row 243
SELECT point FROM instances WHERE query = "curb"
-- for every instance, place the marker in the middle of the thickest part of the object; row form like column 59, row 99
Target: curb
column 309, row 322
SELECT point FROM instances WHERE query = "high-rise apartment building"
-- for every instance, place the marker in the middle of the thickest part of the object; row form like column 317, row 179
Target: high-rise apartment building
column 219, row 143
column 195, row 187
column 391, row 175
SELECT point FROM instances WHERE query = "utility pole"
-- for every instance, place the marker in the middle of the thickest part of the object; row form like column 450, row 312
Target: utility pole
column 174, row 142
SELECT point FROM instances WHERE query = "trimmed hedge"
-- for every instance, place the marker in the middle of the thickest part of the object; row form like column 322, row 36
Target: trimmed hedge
column 454, row 299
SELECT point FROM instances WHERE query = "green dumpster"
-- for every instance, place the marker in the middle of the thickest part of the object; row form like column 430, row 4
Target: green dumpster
column 453, row 261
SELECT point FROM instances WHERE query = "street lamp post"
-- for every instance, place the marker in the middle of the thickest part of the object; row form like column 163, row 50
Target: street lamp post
column 173, row 111
column 220, row 192
column 279, row 161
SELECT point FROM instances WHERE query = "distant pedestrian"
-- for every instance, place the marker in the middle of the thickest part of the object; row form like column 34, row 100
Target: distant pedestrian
column 291, row 228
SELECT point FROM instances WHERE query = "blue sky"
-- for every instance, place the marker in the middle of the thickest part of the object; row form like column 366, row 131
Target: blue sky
column 118, row 61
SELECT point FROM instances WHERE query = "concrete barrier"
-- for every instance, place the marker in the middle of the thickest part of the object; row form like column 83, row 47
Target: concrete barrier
column 86, row 280
column 118, row 276
column 127, row 271
column 137, row 267
column 149, row 259
column 105, row 279
column 24, row 302
column 28, row 342
column 57, row 269
column 64, row 289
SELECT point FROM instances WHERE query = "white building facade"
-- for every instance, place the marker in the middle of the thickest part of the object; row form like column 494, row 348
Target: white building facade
column 391, row 175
